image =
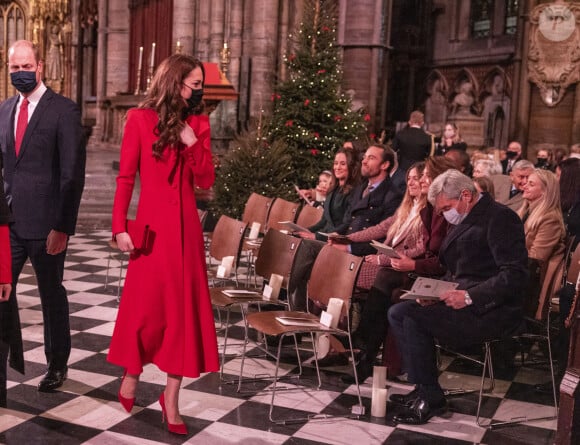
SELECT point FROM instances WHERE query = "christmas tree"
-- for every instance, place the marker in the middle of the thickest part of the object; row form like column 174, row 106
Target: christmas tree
column 253, row 165
column 310, row 114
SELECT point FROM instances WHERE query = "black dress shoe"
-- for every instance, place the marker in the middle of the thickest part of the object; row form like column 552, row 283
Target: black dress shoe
column 52, row 379
column 420, row 412
column 405, row 399
column 363, row 371
column 334, row 359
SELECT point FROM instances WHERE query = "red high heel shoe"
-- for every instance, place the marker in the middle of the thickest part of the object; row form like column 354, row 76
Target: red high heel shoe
column 175, row 428
column 125, row 402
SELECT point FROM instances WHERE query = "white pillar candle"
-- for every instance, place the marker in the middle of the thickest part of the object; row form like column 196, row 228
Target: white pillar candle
column 225, row 269
column 152, row 62
column 254, row 231
column 379, row 376
column 275, row 283
column 335, row 309
column 379, row 402
column 140, row 64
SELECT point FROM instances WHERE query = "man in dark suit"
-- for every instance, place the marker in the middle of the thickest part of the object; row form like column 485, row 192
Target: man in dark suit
column 412, row 144
column 513, row 155
column 485, row 253
column 374, row 200
column 508, row 190
column 44, row 167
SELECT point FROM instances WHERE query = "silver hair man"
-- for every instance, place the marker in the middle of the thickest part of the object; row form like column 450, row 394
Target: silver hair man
column 451, row 184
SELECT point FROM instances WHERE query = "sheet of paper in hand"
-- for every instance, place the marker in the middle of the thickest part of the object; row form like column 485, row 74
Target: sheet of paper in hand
column 384, row 249
column 428, row 289
column 291, row 227
column 335, row 237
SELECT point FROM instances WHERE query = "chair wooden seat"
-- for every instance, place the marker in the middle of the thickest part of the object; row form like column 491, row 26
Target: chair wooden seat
column 266, row 322
column 223, row 301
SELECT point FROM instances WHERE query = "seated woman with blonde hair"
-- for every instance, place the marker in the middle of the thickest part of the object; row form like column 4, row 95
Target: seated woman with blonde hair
column 543, row 226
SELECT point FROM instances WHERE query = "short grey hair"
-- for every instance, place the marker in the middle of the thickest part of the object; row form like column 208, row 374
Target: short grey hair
column 490, row 166
column 450, row 183
column 523, row 164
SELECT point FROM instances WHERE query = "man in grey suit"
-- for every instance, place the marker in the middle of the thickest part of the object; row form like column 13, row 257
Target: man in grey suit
column 508, row 189
column 44, row 170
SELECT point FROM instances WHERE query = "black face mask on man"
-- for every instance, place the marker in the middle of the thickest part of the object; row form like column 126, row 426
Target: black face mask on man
column 511, row 154
column 24, row 81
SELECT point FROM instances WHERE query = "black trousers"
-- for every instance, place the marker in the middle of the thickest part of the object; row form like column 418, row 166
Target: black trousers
column 301, row 270
column 373, row 325
column 49, row 271
column 4, row 348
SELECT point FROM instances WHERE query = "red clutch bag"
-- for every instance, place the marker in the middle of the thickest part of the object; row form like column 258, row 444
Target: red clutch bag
column 141, row 236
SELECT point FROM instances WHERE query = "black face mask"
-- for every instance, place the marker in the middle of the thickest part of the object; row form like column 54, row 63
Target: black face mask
column 542, row 162
column 24, row 81
column 511, row 154
column 194, row 100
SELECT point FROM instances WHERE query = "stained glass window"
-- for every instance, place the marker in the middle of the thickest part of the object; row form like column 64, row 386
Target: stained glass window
column 511, row 16
column 481, row 15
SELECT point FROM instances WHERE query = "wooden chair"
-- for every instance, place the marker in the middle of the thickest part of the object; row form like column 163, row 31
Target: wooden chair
column 343, row 268
column 309, row 216
column 226, row 240
column 276, row 257
column 257, row 210
column 116, row 255
column 536, row 327
column 281, row 210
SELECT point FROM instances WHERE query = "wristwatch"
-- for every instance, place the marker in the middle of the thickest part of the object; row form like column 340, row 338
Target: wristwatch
column 468, row 300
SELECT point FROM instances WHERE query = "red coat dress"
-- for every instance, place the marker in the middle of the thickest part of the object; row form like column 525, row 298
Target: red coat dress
column 165, row 315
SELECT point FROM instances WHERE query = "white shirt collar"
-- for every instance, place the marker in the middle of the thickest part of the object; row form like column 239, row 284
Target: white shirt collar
column 34, row 98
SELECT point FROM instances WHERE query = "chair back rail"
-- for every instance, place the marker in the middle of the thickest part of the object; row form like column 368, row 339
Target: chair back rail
column 276, row 255
column 309, row 216
column 257, row 210
column 281, row 210
column 227, row 238
column 333, row 275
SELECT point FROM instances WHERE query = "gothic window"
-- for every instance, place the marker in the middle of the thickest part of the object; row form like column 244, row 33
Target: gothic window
column 12, row 28
column 511, row 16
column 481, row 15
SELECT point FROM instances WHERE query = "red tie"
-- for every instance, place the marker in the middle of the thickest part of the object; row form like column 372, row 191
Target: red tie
column 21, row 124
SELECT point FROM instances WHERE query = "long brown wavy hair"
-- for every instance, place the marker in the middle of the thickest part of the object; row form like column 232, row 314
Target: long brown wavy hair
column 165, row 98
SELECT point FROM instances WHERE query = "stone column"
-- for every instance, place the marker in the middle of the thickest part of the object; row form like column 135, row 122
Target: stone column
column 184, row 24
column 263, row 26
column 112, row 55
column 98, row 129
column 521, row 88
column 365, row 52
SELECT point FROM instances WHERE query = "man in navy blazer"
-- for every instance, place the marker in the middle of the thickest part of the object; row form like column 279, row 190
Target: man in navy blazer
column 485, row 253
column 375, row 199
column 44, row 180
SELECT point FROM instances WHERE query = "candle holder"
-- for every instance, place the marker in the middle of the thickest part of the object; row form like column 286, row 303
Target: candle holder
column 224, row 59
column 149, row 78
column 138, row 85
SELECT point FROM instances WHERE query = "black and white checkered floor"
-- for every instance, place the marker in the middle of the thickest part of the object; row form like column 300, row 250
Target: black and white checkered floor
column 86, row 410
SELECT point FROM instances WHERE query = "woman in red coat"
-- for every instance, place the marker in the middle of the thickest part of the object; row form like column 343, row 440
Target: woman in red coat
column 165, row 316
